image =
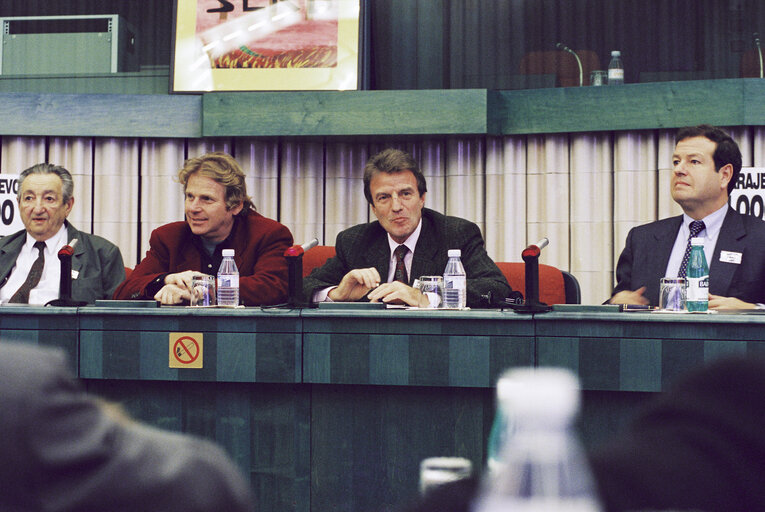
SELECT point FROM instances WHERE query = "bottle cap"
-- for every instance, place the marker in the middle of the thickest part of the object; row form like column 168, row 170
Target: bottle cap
column 541, row 395
column 227, row 252
column 455, row 253
column 697, row 241
column 616, row 53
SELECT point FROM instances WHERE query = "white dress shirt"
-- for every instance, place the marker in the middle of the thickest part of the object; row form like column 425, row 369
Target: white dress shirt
column 48, row 287
column 712, row 225
column 411, row 242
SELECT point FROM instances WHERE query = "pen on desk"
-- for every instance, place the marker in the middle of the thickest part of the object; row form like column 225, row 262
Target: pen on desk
column 637, row 307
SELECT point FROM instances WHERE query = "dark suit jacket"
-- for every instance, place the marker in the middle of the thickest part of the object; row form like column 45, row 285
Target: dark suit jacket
column 258, row 242
column 646, row 254
column 97, row 261
column 61, row 450
column 366, row 245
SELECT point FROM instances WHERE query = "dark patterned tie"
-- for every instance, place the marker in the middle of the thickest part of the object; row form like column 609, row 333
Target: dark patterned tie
column 400, row 274
column 22, row 294
column 695, row 228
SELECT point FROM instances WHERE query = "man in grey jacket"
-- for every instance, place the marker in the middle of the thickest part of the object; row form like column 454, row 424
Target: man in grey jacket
column 63, row 450
column 30, row 270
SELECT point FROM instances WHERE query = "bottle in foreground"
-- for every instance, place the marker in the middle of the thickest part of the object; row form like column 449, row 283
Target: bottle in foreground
column 541, row 465
column 455, row 281
column 228, row 280
column 697, row 295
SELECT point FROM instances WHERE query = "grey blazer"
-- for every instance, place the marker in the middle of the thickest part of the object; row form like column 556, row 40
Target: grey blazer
column 646, row 254
column 62, row 450
column 97, row 262
column 366, row 245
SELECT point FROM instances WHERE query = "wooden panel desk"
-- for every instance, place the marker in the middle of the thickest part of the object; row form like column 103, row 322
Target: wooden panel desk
column 247, row 396
column 389, row 388
column 37, row 325
column 333, row 410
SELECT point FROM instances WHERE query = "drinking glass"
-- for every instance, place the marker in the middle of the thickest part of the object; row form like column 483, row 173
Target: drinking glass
column 203, row 291
column 672, row 294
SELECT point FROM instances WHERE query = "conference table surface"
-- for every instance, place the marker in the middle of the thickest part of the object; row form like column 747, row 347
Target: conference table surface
column 332, row 409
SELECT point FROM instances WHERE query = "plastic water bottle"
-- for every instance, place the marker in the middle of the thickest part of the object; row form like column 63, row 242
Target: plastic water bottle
column 697, row 298
column 455, row 281
column 616, row 69
column 228, row 280
column 542, row 466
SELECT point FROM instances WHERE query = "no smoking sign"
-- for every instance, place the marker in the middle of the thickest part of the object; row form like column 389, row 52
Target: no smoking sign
column 186, row 350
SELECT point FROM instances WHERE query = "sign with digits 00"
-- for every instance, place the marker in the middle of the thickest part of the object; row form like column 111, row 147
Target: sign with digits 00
column 748, row 198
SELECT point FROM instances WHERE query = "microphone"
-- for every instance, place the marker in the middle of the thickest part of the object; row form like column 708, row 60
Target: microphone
column 530, row 257
column 67, row 250
column 65, row 281
column 294, row 257
column 535, row 249
column 298, row 250
column 759, row 50
column 565, row 48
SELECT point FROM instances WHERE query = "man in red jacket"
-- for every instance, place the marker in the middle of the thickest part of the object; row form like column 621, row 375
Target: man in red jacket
column 219, row 215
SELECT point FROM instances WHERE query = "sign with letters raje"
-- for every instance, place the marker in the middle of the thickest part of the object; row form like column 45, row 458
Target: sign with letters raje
column 748, row 197
column 10, row 220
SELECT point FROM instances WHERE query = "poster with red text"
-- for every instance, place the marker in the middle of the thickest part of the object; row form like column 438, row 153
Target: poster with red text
column 275, row 45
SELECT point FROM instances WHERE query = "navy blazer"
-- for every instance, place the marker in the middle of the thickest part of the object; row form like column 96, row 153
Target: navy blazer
column 366, row 245
column 644, row 259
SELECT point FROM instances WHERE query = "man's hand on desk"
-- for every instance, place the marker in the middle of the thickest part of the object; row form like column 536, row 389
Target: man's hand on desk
column 355, row 284
column 177, row 287
column 399, row 293
column 718, row 302
column 630, row 297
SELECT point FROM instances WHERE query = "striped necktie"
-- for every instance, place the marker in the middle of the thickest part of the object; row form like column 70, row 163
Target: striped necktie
column 695, row 228
column 35, row 273
column 400, row 274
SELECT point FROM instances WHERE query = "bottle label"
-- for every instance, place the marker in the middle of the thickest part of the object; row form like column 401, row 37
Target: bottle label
column 228, row 281
column 457, row 282
column 698, row 289
column 616, row 74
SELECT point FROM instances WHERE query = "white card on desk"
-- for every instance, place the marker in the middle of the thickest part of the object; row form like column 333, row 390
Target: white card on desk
column 730, row 257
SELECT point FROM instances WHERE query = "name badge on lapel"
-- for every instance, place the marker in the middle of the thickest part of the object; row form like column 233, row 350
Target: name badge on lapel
column 75, row 274
column 730, row 257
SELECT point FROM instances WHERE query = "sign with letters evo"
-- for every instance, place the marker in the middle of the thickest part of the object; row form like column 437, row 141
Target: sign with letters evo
column 10, row 220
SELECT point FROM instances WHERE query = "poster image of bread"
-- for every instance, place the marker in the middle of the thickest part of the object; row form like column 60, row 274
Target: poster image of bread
column 277, row 45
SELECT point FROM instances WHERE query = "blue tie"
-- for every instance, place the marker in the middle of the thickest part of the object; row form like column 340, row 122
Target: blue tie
column 696, row 227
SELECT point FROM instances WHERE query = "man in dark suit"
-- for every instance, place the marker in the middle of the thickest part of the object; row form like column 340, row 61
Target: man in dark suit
column 368, row 263
column 63, row 450
column 706, row 165
column 29, row 266
column 219, row 215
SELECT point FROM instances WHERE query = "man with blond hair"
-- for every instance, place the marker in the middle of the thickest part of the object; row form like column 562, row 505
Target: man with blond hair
column 219, row 215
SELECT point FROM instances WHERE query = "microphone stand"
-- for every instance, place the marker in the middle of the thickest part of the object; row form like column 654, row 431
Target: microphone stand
column 65, row 282
column 565, row 48
column 530, row 257
column 759, row 51
column 294, row 256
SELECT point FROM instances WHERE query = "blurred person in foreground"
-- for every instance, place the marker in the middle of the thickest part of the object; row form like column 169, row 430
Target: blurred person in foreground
column 699, row 446
column 64, row 450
